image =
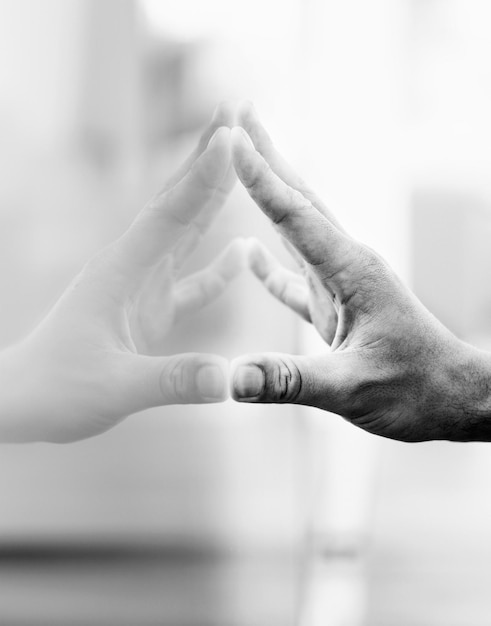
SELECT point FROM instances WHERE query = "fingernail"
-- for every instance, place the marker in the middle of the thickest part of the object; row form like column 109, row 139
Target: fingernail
column 248, row 381
column 216, row 135
column 211, row 382
column 240, row 134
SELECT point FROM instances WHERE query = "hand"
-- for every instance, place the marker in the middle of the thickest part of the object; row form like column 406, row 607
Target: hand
column 391, row 368
column 79, row 373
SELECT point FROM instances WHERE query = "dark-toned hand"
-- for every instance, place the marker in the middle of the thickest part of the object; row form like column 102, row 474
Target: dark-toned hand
column 390, row 366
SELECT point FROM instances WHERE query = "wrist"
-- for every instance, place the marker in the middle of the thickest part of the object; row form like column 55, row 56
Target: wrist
column 12, row 396
column 468, row 403
column 21, row 401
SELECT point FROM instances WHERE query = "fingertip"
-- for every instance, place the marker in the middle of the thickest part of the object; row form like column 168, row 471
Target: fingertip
column 257, row 258
column 187, row 378
column 212, row 381
column 224, row 114
column 266, row 378
column 252, row 242
column 242, row 253
column 247, row 380
column 241, row 140
column 220, row 138
column 235, row 257
column 251, row 245
column 215, row 161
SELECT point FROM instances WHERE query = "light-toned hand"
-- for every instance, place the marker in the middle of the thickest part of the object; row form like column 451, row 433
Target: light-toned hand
column 391, row 367
column 80, row 371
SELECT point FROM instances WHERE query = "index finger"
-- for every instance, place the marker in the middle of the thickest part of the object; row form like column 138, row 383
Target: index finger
column 223, row 115
column 190, row 240
column 318, row 241
column 167, row 217
column 248, row 118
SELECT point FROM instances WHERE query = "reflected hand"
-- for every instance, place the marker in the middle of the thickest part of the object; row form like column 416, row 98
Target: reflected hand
column 79, row 373
column 165, row 301
column 392, row 368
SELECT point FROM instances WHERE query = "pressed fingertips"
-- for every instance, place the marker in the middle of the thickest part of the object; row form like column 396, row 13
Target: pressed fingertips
column 267, row 377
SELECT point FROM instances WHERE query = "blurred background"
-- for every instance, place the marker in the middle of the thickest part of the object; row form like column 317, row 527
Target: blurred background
column 232, row 514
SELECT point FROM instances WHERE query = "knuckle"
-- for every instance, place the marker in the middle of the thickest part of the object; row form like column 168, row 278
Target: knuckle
column 161, row 208
column 174, row 218
column 281, row 292
column 279, row 217
column 176, row 382
column 371, row 261
column 283, row 381
column 359, row 400
column 369, row 392
column 291, row 211
column 254, row 180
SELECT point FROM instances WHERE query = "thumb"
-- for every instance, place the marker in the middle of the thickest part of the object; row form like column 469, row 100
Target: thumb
column 320, row 381
column 191, row 378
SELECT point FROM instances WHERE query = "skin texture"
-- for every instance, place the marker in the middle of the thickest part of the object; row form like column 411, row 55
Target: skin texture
column 87, row 365
column 388, row 365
